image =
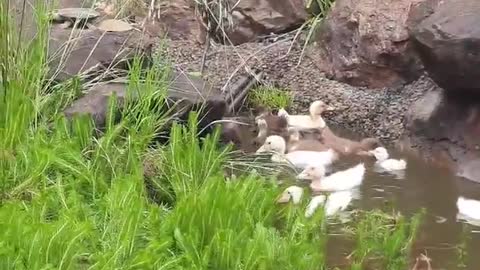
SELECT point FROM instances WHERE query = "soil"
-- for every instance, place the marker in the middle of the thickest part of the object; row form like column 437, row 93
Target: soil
column 369, row 112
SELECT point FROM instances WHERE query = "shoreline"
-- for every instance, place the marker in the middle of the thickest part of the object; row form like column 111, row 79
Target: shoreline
column 376, row 113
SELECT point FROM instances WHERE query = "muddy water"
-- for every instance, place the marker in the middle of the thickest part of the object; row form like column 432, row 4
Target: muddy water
column 425, row 186
column 421, row 186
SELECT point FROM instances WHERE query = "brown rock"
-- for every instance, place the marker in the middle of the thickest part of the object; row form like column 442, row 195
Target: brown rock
column 190, row 93
column 177, row 19
column 448, row 42
column 75, row 51
column 253, row 18
column 366, row 43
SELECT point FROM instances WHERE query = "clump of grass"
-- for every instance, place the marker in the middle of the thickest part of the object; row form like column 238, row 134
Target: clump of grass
column 270, row 97
column 384, row 239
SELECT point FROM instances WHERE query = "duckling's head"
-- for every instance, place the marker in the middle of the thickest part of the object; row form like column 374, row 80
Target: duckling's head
column 262, row 125
column 318, row 107
column 293, row 193
column 312, row 173
column 380, row 153
column 274, row 144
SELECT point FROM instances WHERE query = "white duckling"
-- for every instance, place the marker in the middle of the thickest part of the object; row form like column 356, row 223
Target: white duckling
column 468, row 208
column 293, row 193
column 337, row 201
column 314, row 120
column 342, row 180
column 386, row 163
column 300, row 159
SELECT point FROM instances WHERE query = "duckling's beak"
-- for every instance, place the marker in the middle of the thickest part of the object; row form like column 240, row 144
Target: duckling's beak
column 284, row 198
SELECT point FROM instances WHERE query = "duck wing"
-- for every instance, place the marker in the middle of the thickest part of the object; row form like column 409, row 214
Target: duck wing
column 344, row 180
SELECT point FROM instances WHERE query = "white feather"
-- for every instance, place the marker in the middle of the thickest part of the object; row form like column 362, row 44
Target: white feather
column 469, row 208
column 342, row 180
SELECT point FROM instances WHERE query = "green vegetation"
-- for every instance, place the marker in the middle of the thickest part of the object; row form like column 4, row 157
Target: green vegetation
column 72, row 200
column 270, row 97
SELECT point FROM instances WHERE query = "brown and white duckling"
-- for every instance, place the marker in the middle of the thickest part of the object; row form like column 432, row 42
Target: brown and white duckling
column 299, row 142
column 347, row 147
column 264, row 131
column 313, row 120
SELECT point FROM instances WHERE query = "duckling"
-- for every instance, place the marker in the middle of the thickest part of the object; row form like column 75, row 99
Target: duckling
column 385, row 163
column 342, row 180
column 300, row 159
column 468, row 208
column 264, row 131
column 276, row 124
column 347, row 147
column 314, row 204
column 297, row 143
column 337, row 201
column 293, row 193
column 314, row 120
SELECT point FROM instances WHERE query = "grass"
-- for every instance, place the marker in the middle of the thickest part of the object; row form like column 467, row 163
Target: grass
column 270, row 97
column 72, row 200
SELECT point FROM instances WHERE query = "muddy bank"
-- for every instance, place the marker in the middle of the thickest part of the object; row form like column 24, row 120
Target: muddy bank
column 370, row 112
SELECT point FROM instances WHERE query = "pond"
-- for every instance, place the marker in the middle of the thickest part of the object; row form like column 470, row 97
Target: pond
column 422, row 185
column 425, row 186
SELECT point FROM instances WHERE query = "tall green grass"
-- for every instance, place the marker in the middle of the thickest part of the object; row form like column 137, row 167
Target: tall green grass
column 73, row 200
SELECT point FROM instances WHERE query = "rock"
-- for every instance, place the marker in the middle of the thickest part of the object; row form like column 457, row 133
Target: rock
column 112, row 25
column 253, row 18
column 446, row 130
column 178, row 21
column 92, row 50
column 190, row 93
column 366, row 43
column 448, row 42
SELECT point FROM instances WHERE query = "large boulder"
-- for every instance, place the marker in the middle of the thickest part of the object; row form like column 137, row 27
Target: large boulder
column 254, row 18
column 448, row 43
column 366, row 43
column 445, row 129
column 75, row 51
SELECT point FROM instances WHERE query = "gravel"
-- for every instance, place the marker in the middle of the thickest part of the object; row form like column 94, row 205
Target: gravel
column 369, row 112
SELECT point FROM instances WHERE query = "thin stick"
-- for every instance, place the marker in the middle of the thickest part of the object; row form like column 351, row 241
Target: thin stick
column 205, row 51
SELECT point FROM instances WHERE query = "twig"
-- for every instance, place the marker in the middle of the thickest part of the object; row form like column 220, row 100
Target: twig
column 205, row 51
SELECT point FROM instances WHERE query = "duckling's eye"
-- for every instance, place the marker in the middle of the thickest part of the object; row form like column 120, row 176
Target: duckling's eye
column 269, row 142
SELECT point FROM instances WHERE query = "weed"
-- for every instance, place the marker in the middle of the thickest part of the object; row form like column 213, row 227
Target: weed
column 270, row 97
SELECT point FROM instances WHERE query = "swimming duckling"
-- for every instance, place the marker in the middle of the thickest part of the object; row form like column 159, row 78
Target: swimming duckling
column 313, row 120
column 468, row 208
column 385, row 163
column 264, row 131
column 312, row 143
column 337, row 201
column 342, row 180
column 293, row 193
column 300, row 159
